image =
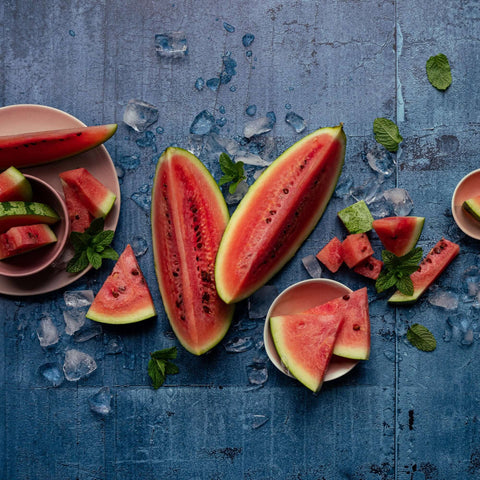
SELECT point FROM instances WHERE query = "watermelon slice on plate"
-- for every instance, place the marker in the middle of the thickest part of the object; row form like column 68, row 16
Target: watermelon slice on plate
column 472, row 206
column 14, row 186
column 80, row 217
column 25, row 238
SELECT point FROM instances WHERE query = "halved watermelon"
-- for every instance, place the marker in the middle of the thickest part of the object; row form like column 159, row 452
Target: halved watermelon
column 353, row 338
column 305, row 343
column 356, row 249
column 431, row 267
column 399, row 234
column 472, row 206
column 331, row 255
column 80, row 217
column 37, row 148
column 278, row 213
column 14, row 186
column 124, row 297
column 25, row 238
column 96, row 197
column 370, row 268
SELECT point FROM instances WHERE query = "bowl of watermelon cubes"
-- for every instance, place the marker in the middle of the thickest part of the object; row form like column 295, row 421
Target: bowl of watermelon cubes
column 466, row 204
column 317, row 330
column 34, row 225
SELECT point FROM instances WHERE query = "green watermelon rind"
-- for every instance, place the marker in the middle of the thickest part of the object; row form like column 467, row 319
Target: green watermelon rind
column 117, row 319
column 472, row 206
column 18, row 212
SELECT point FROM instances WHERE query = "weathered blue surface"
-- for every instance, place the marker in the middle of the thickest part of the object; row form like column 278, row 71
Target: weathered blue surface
column 404, row 414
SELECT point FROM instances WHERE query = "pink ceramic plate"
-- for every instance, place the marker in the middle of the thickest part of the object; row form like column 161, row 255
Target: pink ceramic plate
column 33, row 118
column 467, row 188
column 297, row 298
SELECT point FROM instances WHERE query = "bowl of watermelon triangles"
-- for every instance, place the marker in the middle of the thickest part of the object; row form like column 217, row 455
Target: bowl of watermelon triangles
column 317, row 330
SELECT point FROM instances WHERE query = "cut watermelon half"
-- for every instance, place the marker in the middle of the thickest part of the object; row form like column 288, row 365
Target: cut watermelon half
column 331, row 255
column 124, row 297
column 399, row 234
column 305, row 343
column 80, row 217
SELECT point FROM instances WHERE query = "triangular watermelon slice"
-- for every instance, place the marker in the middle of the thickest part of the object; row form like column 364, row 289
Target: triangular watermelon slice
column 472, row 206
column 124, row 297
column 353, row 339
column 80, row 217
column 305, row 344
column 399, row 234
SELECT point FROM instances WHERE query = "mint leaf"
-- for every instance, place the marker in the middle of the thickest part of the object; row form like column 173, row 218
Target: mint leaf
column 233, row 172
column 103, row 238
column 109, row 253
column 96, row 226
column 438, row 72
column 159, row 366
column 94, row 258
column 385, row 281
column 387, row 133
column 155, row 374
column 405, row 285
column 78, row 263
column 421, row 337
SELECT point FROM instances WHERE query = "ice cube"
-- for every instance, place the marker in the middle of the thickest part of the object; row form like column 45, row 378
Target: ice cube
column 114, row 346
column 52, row 372
column 248, row 39
column 312, row 266
column 443, row 299
column 101, row 402
column 368, row 191
column 251, row 159
column 246, row 324
column 260, row 301
column 233, row 198
column 257, row 373
column 239, row 344
column 381, row 161
column 78, row 298
column 139, row 245
column 259, row 420
column 257, row 127
column 251, row 110
column 296, row 121
column 87, row 333
column 400, row 200
column 203, row 123
column 78, row 365
column 74, row 319
column 213, row 83
column 344, row 187
column 47, row 332
column 139, row 115
column 171, row 44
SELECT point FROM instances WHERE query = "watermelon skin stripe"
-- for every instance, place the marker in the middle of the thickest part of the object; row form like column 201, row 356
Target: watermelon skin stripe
column 15, row 213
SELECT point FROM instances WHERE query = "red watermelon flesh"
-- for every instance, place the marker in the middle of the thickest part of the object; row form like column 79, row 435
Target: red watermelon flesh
column 80, row 217
column 356, row 248
column 124, row 297
column 399, row 234
column 96, row 197
column 370, row 268
column 305, row 343
column 353, row 339
column 25, row 238
column 331, row 255
column 14, row 186
column 429, row 270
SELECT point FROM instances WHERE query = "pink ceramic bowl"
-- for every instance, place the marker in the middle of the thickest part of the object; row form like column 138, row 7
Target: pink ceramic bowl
column 33, row 262
column 468, row 187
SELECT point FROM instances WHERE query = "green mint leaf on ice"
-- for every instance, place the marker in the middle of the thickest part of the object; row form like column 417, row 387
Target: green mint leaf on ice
column 233, row 172
column 421, row 337
column 387, row 134
column 159, row 366
column 438, row 72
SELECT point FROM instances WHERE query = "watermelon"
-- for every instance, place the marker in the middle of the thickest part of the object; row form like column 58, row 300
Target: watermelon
column 370, row 268
column 78, row 214
column 356, row 218
column 95, row 196
column 278, row 213
column 430, row 268
column 189, row 216
column 14, row 186
column 25, row 238
column 399, row 234
column 353, row 338
column 472, row 206
column 124, row 297
column 356, row 248
column 17, row 212
column 331, row 255
column 37, row 148
column 305, row 343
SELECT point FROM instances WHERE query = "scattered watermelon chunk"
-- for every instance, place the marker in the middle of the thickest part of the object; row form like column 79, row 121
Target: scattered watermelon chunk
column 25, row 238
column 14, row 186
column 356, row 248
column 399, row 234
column 431, row 267
column 356, row 218
column 124, row 297
column 370, row 268
column 331, row 255
column 80, row 217
column 305, row 343
column 472, row 206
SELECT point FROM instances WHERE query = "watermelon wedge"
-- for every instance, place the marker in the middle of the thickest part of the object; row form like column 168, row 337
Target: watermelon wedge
column 78, row 214
column 124, row 297
column 17, row 213
column 37, row 148
column 24, row 239
column 356, row 249
column 472, row 206
column 305, row 343
column 399, row 234
column 14, row 186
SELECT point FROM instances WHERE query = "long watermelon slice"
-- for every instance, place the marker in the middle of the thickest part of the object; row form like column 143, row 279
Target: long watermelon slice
column 189, row 216
column 305, row 344
column 37, row 148
column 431, row 267
column 472, row 206
column 278, row 213
column 124, row 297
column 399, row 234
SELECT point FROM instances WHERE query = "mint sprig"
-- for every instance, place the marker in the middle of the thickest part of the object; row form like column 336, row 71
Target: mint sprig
column 397, row 270
column 159, row 366
column 233, row 172
column 421, row 337
column 438, row 71
column 387, row 133
column 91, row 247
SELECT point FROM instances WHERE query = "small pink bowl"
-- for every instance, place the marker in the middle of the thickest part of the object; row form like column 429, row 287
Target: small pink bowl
column 297, row 298
column 33, row 262
column 468, row 187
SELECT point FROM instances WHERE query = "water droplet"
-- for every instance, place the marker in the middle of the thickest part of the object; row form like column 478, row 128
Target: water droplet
column 248, row 39
column 202, row 123
column 139, row 246
column 296, row 121
column 199, row 83
column 251, row 110
column 171, row 45
column 229, row 28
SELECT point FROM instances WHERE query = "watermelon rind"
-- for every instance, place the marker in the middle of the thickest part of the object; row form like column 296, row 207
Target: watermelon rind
column 357, row 218
column 472, row 206
column 17, row 212
column 278, row 212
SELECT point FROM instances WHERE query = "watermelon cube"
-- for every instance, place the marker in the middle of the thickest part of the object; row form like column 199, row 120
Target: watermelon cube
column 331, row 255
column 370, row 268
column 356, row 248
